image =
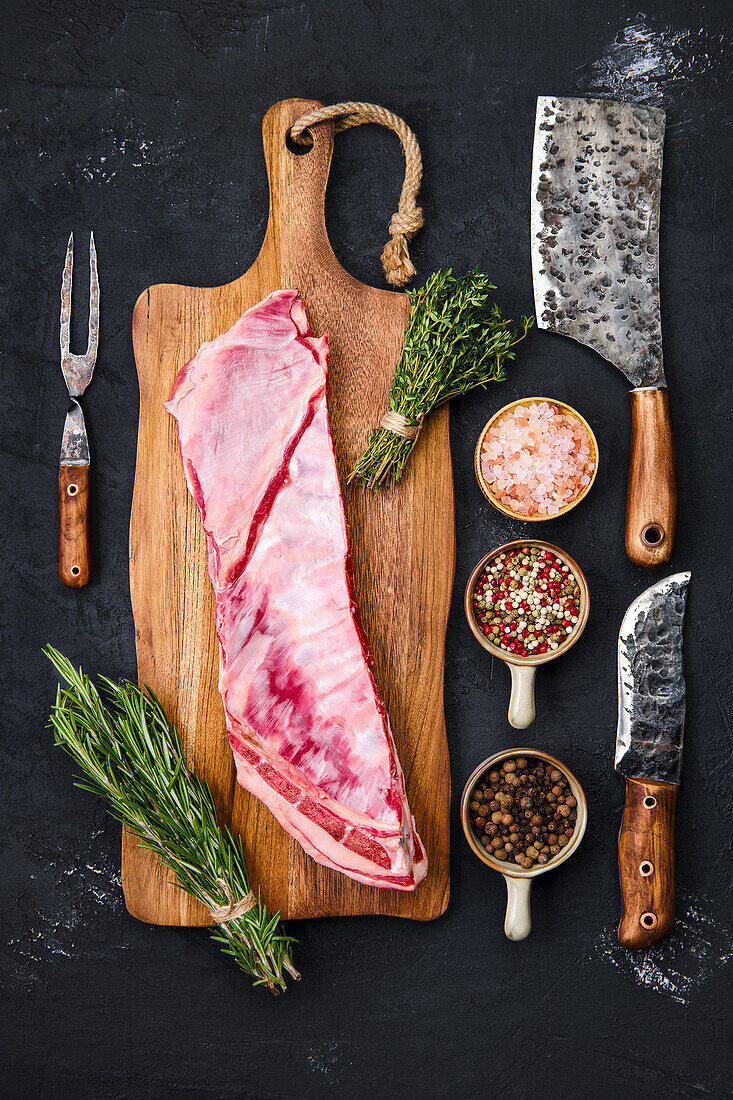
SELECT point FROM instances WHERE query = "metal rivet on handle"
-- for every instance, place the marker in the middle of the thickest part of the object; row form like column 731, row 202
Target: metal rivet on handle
column 646, row 868
column 72, row 490
column 650, row 802
column 648, row 921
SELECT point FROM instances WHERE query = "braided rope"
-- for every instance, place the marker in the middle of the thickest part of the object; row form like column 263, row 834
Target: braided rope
column 408, row 218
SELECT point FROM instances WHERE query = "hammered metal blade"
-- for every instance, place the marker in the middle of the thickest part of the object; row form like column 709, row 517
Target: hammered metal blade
column 651, row 683
column 74, row 443
column 596, row 182
column 78, row 369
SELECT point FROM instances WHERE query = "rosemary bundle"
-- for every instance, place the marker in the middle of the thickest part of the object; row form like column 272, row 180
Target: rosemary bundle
column 456, row 339
column 131, row 756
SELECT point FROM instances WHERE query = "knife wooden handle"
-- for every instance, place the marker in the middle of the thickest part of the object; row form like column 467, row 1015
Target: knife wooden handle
column 646, row 864
column 651, row 498
column 75, row 558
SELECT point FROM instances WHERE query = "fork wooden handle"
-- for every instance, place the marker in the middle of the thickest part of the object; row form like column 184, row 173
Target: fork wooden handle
column 651, row 501
column 75, row 557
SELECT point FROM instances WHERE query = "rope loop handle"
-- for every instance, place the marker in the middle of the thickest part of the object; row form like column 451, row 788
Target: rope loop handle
column 408, row 218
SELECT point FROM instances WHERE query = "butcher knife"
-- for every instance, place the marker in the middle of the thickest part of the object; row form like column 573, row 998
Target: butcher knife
column 651, row 716
column 596, row 182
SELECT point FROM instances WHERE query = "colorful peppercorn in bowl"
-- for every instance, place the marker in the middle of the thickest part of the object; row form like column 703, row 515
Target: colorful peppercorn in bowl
column 536, row 459
column 527, row 603
column 539, row 821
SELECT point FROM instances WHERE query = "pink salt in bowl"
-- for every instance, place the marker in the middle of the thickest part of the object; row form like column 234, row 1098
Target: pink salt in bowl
column 485, row 485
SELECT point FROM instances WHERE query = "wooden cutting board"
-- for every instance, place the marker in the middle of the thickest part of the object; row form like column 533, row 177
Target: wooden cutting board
column 402, row 542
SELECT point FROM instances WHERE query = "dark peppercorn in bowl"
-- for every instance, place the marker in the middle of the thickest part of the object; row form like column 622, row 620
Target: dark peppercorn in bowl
column 523, row 813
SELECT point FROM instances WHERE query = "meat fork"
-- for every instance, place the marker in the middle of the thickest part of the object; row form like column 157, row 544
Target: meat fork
column 75, row 556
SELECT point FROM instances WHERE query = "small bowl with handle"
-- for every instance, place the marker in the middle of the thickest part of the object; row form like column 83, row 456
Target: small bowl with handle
column 518, row 918
column 523, row 669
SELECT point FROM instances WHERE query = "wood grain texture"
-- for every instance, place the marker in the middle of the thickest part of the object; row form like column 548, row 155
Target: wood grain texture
column 651, row 499
column 75, row 554
column 646, row 862
column 402, row 542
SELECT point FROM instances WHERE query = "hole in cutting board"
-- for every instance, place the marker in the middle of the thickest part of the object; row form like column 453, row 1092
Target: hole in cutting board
column 295, row 149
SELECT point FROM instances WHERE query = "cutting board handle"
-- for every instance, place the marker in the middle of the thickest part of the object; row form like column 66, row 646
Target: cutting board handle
column 651, row 500
column 297, row 180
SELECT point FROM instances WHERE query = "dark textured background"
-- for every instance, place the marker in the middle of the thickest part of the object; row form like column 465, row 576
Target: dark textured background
column 144, row 124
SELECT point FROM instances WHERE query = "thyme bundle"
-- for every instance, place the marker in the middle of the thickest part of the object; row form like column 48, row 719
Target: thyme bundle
column 456, row 339
column 131, row 756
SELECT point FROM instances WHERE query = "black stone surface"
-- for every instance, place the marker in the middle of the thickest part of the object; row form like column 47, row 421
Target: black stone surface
column 143, row 123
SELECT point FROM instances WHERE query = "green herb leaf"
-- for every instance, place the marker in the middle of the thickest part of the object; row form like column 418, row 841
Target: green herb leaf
column 131, row 756
column 456, row 339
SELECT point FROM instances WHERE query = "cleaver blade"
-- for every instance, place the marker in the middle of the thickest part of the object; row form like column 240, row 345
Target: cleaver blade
column 596, row 185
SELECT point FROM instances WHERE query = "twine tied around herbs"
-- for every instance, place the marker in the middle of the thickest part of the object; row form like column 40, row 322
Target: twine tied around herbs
column 398, row 267
column 398, row 424
column 233, row 909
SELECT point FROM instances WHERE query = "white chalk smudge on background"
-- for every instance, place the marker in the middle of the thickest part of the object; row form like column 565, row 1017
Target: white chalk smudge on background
column 123, row 152
column 59, row 918
column 696, row 948
column 649, row 64
column 325, row 1060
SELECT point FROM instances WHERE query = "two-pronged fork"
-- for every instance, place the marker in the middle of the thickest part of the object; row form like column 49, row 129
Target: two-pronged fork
column 74, row 541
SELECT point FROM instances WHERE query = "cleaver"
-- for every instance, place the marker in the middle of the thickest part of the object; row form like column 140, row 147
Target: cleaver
column 651, row 719
column 596, row 181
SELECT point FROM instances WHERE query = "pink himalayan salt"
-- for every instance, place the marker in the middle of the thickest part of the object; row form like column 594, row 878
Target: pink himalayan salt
column 537, row 459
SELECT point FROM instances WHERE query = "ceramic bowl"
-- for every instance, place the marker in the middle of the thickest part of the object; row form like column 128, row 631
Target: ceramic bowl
column 484, row 485
column 523, row 669
column 518, row 919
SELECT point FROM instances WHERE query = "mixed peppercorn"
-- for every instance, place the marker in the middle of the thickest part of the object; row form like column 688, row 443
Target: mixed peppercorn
column 527, row 601
column 523, row 811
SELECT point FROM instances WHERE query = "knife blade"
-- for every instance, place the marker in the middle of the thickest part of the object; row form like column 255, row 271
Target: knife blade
column 651, row 717
column 74, row 551
column 595, row 202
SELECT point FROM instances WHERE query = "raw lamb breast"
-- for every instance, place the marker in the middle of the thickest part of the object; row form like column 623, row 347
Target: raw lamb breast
column 307, row 726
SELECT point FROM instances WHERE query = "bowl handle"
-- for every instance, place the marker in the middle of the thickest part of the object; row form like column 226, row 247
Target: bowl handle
column 521, row 703
column 518, row 919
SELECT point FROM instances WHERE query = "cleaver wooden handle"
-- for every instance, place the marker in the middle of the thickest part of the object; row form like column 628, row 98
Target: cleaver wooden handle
column 646, row 862
column 651, row 499
column 74, row 541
